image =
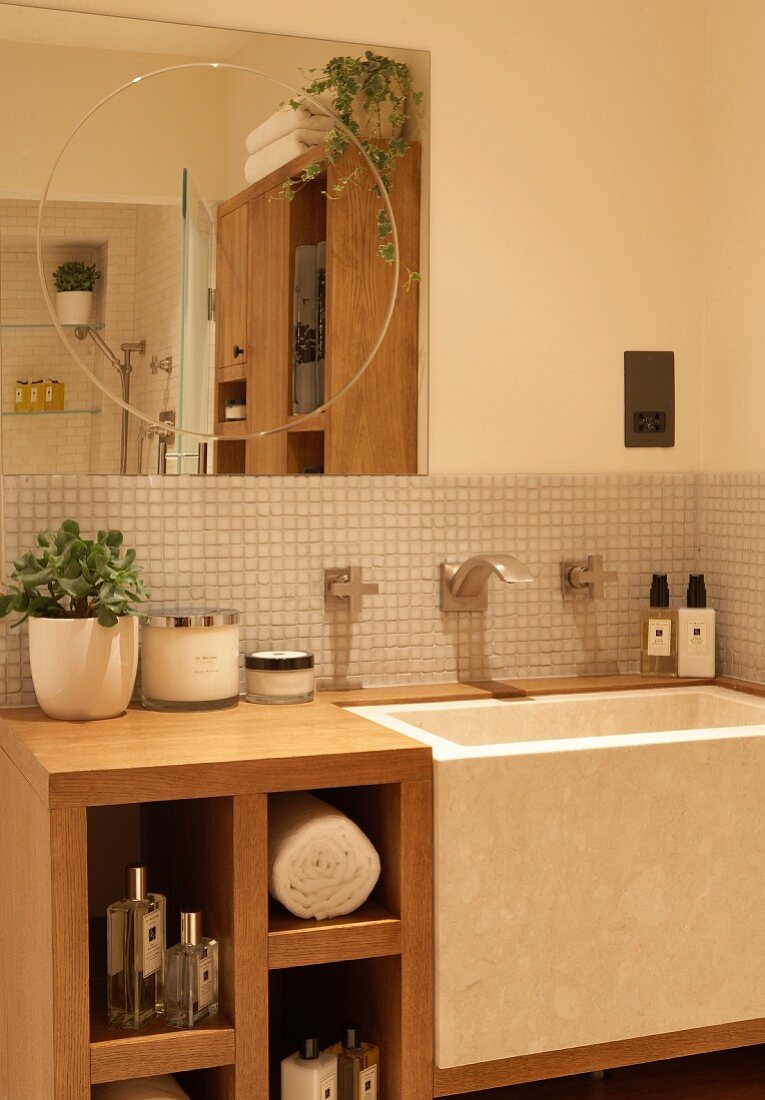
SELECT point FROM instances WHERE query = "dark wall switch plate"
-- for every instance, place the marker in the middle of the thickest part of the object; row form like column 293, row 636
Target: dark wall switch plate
column 649, row 399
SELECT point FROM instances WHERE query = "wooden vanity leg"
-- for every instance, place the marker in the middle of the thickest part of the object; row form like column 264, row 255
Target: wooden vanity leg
column 417, row 940
column 69, row 926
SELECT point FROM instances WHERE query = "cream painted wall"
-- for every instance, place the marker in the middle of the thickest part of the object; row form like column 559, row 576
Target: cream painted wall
column 46, row 90
column 567, row 147
column 735, row 335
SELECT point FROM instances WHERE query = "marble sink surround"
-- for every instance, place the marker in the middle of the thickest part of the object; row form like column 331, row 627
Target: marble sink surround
column 597, row 864
column 587, row 720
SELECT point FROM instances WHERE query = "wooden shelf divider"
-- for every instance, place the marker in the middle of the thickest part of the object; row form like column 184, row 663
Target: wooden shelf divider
column 117, row 1055
column 315, row 424
column 369, row 933
column 236, row 372
column 233, row 428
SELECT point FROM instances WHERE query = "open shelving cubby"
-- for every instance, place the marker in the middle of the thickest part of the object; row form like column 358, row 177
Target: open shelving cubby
column 186, row 846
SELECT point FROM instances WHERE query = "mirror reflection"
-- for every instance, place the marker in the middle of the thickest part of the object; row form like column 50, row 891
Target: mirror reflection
column 209, row 297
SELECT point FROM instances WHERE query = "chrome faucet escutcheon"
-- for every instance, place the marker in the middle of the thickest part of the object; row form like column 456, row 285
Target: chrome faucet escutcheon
column 345, row 588
column 585, row 579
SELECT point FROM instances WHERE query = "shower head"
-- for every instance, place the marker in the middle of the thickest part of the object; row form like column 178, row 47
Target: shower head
column 83, row 331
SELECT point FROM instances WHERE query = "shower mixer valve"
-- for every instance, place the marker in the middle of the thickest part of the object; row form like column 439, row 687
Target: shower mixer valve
column 165, row 364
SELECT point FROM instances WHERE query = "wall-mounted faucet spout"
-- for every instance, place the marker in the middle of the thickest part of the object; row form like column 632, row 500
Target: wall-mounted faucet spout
column 465, row 587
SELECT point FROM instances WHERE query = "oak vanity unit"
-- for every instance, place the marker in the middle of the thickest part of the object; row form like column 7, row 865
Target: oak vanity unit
column 201, row 785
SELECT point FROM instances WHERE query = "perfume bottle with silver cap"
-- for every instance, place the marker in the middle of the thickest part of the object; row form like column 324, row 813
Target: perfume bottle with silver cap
column 135, row 953
column 191, row 985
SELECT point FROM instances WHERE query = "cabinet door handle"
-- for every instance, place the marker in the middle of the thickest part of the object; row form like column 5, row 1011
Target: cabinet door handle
column 237, row 351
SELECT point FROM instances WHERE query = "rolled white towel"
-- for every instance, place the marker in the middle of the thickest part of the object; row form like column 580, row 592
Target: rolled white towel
column 320, row 863
column 284, row 121
column 146, row 1088
column 280, row 152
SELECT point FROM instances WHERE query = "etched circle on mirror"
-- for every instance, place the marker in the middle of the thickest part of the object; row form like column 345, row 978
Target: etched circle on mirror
column 245, row 295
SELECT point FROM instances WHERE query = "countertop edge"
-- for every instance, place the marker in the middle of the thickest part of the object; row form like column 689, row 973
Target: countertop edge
column 407, row 760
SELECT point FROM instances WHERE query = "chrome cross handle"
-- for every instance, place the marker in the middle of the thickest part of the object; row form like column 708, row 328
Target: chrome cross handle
column 587, row 579
column 345, row 588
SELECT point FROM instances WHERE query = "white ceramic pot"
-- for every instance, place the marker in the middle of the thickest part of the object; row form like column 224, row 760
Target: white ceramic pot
column 81, row 670
column 73, row 306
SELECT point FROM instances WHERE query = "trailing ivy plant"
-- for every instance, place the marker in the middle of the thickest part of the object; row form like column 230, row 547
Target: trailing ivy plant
column 75, row 275
column 71, row 577
column 371, row 95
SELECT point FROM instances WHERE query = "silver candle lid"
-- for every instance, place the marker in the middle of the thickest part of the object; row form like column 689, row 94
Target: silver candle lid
column 185, row 617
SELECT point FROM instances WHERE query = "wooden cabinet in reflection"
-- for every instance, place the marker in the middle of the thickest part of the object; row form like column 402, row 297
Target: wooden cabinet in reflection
column 373, row 428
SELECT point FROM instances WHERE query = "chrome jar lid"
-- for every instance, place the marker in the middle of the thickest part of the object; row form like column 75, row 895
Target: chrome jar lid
column 278, row 660
column 180, row 617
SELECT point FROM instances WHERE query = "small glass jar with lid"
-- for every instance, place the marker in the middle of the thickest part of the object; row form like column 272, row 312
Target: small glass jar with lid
column 278, row 676
column 189, row 659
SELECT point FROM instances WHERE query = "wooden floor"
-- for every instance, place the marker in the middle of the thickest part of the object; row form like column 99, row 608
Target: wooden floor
column 733, row 1075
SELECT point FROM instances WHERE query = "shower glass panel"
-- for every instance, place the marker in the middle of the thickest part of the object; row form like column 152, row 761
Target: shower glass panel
column 196, row 380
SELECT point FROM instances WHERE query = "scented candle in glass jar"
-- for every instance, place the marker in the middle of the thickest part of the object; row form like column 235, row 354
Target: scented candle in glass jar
column 190, row 659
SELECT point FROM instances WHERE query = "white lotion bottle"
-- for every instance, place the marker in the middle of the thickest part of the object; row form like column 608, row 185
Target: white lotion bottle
column 309, row 1074
column 696, row 633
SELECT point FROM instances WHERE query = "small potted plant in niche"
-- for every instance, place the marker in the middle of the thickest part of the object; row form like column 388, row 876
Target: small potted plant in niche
column 75, row 282
column 78, row 595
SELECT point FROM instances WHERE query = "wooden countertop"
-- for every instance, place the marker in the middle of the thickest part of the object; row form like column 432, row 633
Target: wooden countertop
column 147, row 755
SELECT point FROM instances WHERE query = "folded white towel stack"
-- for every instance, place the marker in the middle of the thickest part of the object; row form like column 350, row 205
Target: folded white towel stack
column 280, row 152
column 320, row 863
column 147, row 1088
column 284, row 121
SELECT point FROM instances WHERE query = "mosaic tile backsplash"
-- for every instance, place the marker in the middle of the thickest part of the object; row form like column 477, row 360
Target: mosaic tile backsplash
column 731, row 523
column 262, row 544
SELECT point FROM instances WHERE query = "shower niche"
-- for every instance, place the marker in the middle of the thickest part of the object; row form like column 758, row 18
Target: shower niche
column 138, row 249
column 65, row 432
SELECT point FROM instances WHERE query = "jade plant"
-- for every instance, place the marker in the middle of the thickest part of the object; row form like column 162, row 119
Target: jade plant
column 75, row 275
column 71, row 577
column 371, row 95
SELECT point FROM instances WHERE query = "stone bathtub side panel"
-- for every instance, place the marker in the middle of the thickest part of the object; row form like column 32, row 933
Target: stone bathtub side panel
column 594, row 895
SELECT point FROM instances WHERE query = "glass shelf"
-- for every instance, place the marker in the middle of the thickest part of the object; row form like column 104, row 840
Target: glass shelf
column 57, row 412
column 49, row 325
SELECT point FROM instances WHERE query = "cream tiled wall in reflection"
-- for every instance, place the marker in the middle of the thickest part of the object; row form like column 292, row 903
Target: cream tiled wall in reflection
column 138, row 251
column 157, row 317
column 261, row 545
column 86, row 437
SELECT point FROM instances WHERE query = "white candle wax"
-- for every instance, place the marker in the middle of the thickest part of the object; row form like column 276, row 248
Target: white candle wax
column 190, row 664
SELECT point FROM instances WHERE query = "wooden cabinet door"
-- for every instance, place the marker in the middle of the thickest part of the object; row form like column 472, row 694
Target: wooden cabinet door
column 232, row 288
column 373, row 428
